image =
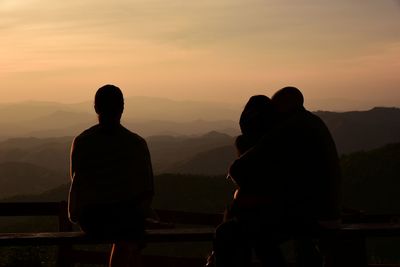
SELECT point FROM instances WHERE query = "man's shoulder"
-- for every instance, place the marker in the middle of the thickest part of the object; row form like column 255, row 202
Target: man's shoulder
column 314, row 117
column 317, row 122
column 87, row 133
column 308, row 119
column 131, row 135
column 97, row 133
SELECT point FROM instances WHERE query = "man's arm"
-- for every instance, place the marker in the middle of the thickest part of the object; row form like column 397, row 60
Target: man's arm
column 72, row 208
column 249, row 165
column 146, row 197
column 72, row 161
column 150, row 176
column 330, row 195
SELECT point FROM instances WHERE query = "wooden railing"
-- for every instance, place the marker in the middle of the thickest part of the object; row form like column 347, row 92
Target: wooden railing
column 65, row 238
column 352, row 234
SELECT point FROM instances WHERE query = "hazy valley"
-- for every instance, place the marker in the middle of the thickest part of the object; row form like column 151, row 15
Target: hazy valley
column 146, row 116
column 36, row 159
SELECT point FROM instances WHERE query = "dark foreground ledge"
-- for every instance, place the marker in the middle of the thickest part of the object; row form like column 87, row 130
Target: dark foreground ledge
column 184, row 235
column 60, row 238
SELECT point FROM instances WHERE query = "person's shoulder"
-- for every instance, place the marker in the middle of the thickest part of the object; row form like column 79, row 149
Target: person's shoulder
column 315, row 119
column 128, row 134
column 305, row 117
column 87, row 133
column 312, row 115
column 317, row 126
column 125, row 131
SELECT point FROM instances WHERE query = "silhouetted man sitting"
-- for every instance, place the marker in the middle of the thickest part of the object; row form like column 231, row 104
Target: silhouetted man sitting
column 296, row 165
column 112, row 180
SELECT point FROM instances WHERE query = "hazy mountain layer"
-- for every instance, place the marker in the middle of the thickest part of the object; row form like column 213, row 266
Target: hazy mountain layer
column 370, row 183
column 49, row 153
column 353, row 131
column 53, row 153
column 167, row 151
column 371, row 179
column 18, row 178
column 204, row 154
column 212, row 162
column 149, row 116
column 363, row 130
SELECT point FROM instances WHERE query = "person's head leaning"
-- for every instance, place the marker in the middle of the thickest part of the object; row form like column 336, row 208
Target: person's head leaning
column 288, row 100
column 109, row 104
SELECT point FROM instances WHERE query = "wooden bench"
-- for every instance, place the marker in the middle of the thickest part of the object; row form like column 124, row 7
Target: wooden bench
column 351, row 235
column 66, row 236
column 70, row 238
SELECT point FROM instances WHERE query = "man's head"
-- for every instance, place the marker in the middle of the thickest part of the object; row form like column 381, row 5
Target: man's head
column 288, row 100
column 109, row 103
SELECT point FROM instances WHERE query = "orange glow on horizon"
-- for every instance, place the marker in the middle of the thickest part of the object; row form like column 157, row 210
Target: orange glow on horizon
column 212, row 51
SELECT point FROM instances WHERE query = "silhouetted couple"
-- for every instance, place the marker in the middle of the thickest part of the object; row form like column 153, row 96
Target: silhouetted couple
column 288, row 179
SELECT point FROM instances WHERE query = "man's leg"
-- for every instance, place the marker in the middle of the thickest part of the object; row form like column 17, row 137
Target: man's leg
column 125, row 254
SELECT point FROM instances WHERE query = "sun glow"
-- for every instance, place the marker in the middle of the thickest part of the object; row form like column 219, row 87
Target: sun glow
column 209, row 50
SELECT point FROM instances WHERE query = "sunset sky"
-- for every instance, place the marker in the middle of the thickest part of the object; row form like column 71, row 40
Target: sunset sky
column 212, row 50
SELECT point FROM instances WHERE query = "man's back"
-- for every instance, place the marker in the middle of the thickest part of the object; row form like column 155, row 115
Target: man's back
column 307, row 166
column 108, row 165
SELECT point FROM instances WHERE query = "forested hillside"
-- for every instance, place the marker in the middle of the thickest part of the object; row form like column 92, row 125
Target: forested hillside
column 371, row 182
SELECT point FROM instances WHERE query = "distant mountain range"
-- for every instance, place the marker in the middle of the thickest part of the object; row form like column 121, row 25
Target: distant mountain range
column 169, row 154
column 209, row 153
column 371, row 179
column 136, row 108
column 166, row 151
column 49, row 153
column 370, row 183
column 158, row 116
column 363, row 130
column 352, row 131
column 145, row 115
column 211, row 162
column 17, row 178
column 24, row 160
